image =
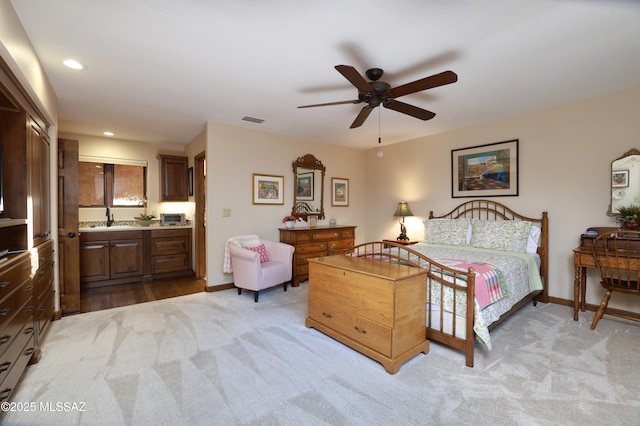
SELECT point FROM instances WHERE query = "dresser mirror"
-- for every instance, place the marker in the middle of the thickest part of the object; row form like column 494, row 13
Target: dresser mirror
column 625, row 181
column 308, row 187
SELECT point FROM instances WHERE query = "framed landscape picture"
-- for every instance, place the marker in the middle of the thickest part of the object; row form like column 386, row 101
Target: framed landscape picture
column 485, row 170
column 268, row 189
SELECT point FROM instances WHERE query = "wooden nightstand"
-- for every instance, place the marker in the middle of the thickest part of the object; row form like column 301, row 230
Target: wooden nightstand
column 402, row 242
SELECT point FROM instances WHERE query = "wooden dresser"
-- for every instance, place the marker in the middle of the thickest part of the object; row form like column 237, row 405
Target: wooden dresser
column 316, row 242
column 376, row 308
column 17, row 323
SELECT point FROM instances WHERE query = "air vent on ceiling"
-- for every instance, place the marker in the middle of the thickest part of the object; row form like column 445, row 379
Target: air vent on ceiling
column 252, row 119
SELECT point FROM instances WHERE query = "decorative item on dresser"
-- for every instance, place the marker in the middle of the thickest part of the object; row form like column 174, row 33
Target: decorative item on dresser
column 316, row 242
column 376, row 308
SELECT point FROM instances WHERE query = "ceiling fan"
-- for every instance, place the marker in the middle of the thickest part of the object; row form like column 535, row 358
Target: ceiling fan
column 375, row 93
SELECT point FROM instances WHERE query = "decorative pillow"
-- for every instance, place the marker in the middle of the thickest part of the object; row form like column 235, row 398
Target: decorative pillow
column 534, row 239
column 261, row 250
column 447, row 231
column 504, row 235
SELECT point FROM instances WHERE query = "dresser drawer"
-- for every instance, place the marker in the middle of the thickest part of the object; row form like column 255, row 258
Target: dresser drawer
column 12, row 354
column 301, row 269
column 348, row 233
column 16, row 301
column 312, row 248
column 301, row 258
column 14, row 374
column 12, row 331
column 341, row 245
column 14, row 276
column 371, row 297
column 370, row 334
column 326, row 235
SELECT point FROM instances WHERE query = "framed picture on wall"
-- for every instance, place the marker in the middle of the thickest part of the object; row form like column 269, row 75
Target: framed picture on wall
column 268, row 189
column 339, row 192
column 485, row 170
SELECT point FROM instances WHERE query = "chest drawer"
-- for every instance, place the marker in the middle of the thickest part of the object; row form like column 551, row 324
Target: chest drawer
column 371, row 297
column 370, row 334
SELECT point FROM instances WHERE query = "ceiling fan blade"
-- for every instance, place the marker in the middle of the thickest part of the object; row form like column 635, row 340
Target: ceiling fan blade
column 362, row 116
column 411, row 110
column 435, row 80
column 355, row 101
column 354, row 77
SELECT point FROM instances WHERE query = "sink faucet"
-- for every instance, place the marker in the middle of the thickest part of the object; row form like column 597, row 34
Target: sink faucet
column 110, row 220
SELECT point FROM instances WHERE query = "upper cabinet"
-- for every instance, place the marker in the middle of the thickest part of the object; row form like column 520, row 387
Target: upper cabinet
column 174, row 180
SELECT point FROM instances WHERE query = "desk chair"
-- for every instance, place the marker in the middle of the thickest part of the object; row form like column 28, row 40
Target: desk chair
column 617, row 257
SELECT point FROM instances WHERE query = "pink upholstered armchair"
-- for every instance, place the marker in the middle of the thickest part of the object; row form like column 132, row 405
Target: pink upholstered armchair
column 257, row 263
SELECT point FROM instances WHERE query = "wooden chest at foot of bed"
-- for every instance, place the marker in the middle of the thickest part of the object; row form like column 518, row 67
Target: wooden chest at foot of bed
column 376, row 308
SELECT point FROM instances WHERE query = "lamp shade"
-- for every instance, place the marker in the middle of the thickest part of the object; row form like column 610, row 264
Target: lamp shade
column 403, row 210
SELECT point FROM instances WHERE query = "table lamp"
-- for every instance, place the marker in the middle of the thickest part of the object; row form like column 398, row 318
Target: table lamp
column 401, row 211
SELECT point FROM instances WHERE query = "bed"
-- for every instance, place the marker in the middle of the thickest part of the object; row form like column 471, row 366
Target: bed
column 481, row 251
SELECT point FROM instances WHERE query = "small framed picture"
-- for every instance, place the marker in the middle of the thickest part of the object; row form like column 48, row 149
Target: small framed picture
column 619, row 178
column 268, row 189
column 313, row 220
column 339, row 192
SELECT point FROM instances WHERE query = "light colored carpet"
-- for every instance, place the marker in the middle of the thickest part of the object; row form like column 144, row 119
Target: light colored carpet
column 221, row 359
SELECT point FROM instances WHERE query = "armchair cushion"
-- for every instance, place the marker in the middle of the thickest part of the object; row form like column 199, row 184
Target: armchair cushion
column 261, row 250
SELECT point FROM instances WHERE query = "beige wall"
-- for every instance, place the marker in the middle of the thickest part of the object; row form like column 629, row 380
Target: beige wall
column 565, row 158
column 234, row 154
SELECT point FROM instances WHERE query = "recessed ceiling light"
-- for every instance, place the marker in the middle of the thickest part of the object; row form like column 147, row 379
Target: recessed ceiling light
column 107, row 133
column 72, row 63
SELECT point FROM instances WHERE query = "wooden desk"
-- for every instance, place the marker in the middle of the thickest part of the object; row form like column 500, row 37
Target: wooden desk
column 582, row 259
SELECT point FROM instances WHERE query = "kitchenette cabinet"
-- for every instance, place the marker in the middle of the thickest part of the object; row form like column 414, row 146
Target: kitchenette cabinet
column 114, row 257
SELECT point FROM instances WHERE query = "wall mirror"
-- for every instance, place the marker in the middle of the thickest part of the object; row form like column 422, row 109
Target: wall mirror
column 625, row 181
column 308, row 187
column 111, row 182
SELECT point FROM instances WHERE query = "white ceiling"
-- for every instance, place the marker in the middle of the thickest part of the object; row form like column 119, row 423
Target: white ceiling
column 159, row 69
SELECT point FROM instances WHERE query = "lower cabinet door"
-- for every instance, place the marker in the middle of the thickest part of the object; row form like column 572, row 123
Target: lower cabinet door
column 126, row 258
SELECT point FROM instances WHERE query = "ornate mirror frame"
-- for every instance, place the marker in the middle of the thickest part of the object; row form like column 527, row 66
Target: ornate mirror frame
column 308, row 187
column 625, row 181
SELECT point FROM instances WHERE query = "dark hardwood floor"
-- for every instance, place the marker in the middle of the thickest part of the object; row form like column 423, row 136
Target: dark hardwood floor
column 97, row 299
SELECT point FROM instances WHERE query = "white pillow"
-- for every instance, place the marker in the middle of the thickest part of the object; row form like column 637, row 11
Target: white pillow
column 534, row 239
column 455, row 232
column 504, row 235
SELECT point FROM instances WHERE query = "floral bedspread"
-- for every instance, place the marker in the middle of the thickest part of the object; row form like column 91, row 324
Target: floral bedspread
column 520, row 275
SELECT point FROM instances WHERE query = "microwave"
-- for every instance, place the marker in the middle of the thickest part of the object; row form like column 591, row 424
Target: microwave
column 172, row 219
